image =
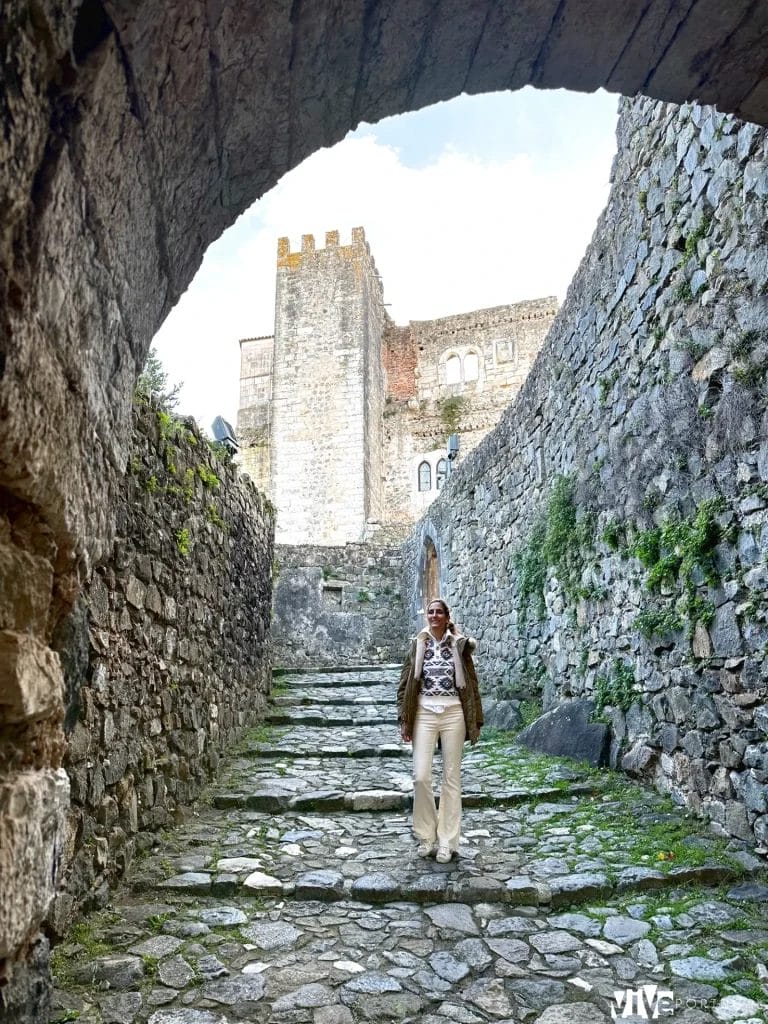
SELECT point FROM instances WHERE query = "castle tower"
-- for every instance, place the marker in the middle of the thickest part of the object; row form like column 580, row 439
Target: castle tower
column 327, row 392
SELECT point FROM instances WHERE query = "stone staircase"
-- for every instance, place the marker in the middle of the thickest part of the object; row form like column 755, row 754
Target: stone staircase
column 294, row 893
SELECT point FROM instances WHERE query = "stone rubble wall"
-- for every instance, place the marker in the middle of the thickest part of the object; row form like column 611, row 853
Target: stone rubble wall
column 645, row 407
column 166, row 656
column 338, row 606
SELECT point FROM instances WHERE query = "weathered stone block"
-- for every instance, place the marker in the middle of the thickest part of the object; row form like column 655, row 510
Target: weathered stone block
column 31, row 680
column 566, row 731
column 33, row 810
column 26, row 584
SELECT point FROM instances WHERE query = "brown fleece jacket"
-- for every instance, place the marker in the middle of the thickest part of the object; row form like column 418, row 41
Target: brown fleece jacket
column 408, row 690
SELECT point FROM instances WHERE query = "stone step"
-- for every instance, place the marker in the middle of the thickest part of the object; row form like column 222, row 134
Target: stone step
column 332, row 715
column 207, row 960
column 324, row 800
column 330, row 679
column 272, row 782
column 371, row 858
column 300, row 696
column 337, row 741
column 342, row 671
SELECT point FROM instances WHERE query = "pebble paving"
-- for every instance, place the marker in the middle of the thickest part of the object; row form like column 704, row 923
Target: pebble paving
column 294, row 893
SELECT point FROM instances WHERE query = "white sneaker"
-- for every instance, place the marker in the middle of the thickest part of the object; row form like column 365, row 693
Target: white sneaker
column 425, row 849
column 443, row 855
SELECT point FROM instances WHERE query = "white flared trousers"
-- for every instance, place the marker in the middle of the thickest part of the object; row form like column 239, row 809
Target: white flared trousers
column 429, row 825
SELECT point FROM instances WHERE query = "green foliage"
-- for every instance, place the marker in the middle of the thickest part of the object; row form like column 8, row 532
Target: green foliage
column 684, row 293
column 182, row 541
column 451, row 411
column 151, row 964
column 83, row 934
column 531, row 571
column 214, row 517
column 642, row 199
column 166, row 424
column 188, row 485
column 751, row 375
column 677, row 555
column 692, row 241
column 153, row 383
column 651, row 500
column 221, row 451
column 658, row 622
column 156, row 921
column 680, row 546
column 558, row 540
column 151, row 485
column 208, row 477
column 364, row 597
column 605, row 384
column 616, row 689
column 529, row 712
column 612, row 535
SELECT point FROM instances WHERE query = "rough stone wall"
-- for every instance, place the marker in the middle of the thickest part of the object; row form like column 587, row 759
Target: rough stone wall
column 424, row 407
column 338, row 605
column 627, row 486
column 174, row 660
column 328, row 314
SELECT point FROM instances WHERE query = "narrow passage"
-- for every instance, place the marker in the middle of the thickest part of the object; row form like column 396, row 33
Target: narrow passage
column 294, row 893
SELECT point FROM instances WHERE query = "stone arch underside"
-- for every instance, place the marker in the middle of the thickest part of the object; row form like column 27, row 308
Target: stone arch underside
column 134, row 134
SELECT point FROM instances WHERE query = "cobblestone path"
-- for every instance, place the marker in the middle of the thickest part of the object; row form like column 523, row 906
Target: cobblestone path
column 294, row 893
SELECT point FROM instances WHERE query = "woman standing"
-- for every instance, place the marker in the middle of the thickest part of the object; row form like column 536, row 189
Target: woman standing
column 438, row 697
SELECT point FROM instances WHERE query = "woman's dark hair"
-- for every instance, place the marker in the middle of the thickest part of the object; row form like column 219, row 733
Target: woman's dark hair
column 451, row 627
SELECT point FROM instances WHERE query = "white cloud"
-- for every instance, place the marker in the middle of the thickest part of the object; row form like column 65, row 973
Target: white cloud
column 458, row 234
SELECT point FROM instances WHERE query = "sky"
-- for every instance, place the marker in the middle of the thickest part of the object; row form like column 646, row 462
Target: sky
column 477, row 202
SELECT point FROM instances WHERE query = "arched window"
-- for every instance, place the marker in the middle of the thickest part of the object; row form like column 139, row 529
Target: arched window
column 453, row 370
column 441, row 472
column 425, row 476
column 471, row 366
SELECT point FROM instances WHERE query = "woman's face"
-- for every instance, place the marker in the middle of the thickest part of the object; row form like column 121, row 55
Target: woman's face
column 437, row 618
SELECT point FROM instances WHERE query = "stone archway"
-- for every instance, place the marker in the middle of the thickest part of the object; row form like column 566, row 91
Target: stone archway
column 133, row 135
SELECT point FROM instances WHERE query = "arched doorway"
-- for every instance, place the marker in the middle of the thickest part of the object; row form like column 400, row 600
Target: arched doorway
column 430, row 579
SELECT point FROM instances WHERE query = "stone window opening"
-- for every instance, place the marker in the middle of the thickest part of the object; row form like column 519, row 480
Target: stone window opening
column 425, row 476
column 471, row 367
column 453, row 370
column 441, row 473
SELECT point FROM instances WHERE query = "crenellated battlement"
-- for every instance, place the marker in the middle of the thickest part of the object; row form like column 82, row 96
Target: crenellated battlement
column 287, row 257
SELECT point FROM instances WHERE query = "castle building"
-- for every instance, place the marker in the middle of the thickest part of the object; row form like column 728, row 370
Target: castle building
column 344, row 416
